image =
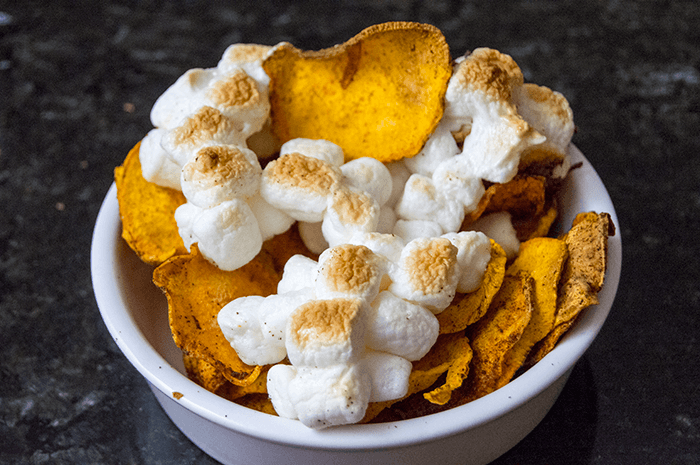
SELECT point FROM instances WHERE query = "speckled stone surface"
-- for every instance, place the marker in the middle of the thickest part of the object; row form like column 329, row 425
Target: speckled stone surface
column 78, row 78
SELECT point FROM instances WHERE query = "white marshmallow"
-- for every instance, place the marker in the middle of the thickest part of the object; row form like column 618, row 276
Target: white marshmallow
column 228, row 234
column 220, row 172
column 248, row 57
column 299, row 273
column 181, row 99
column 421, row 200
column 386, row 245
column 322, row 333
column 319, row 149
column 427, row 273
column 388, row 374
column 312, row 236
column 400, row 327
column 156, row 166
column 271, row 221
column 473, row 256
column 439, row 147
column 206, row 126
column 409, row 230
column 320, row 397
column 273, row 314
column 299, row 185
column 349, row 212
column 240, row 325
column 498, row 226
column 369, row 175
column 185, row 215
column 454, row 180
column 349, row 271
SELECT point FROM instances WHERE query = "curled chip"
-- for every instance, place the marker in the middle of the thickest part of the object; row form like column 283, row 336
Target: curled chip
column 521, row 196
column 459, row 354
column 469, row 308
column 380, row 94
column 147, row 213
column 497, row 332
column 583, row 276
column 196, row 290
column 543, row 259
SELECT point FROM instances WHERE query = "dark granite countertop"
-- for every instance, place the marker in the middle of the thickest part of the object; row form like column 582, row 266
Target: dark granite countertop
column 78, row 79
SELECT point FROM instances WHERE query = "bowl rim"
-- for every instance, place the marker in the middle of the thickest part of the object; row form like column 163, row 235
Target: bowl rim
column 166, row 378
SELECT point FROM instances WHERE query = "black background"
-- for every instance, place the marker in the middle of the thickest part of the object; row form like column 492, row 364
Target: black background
column 78, row 79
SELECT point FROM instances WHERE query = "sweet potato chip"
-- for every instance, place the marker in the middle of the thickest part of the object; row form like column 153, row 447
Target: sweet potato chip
column 459, row 354
column 543, row 259
column 493, row 336
column 466, row 309
column 380, row 94
column 530, row 227
column 203, row 373
column 521, row 196
column 196, row 290
column 146, row 210
column 583, row 276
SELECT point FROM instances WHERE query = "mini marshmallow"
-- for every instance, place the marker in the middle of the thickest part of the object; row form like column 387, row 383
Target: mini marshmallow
column 409, row 230
column 320, row 397
column 440, row 146
column 181, row 99
column 427, row 273
column 322, row 333
column 299, row 185
column 349, row 271
column 421, row 200
column 185, row 215
column 248, row 57
column 454, row 180
column 156, row 166
column 400, row 327
column 315, row 148
column 473, row 256
column 271, row 221
column 312, row 236
column 349, row 212
column 228, row 234
column 273, row 314
column 369, row 175
column 299, row 273
column 388, row 374
column 206, row 126
column 220, row 172
column 386, row 245
column 498, row 226
column 240, row 325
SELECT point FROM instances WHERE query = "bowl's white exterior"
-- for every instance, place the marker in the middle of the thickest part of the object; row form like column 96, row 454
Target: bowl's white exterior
column 135, row 313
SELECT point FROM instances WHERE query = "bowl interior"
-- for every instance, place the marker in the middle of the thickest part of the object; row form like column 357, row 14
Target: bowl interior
column 135, row 313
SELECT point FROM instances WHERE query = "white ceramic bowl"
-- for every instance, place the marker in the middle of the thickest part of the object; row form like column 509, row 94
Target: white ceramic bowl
column 135, row 313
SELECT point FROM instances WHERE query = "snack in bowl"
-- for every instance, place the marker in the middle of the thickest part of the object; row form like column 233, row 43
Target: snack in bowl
column 347, row 268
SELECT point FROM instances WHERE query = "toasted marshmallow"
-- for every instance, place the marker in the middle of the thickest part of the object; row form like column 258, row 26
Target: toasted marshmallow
column 499, row 227
column 349, row 271
column 207, row 126
column 299, row 185
column 299, row 273
column 320, row 397
column 322, row 333
column 228, row 234
column 479, row 94
column 220, row 172
column 312, row 236
column 440, row 146
column 427, row 273
column 315, row 148
column 271, row 221
column 421, row 200
column 386, row 245
column 248, row 57
column 409, row 230
column 349, row 212
column 369, row 175
column 156, row 166
column 399, row 327
column 181, row 99
column 399, row 176
column 473, row 256
column 388, row 374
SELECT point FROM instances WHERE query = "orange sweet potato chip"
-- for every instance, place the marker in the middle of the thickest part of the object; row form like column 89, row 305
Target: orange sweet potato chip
column 146, row 210
column 380, row 94
column 543, row 259
column 468, row 308
column 521, row 196
column 196, row 290
column 497, row 332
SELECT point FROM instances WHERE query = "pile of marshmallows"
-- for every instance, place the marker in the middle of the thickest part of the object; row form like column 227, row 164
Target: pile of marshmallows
column 390, row 254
